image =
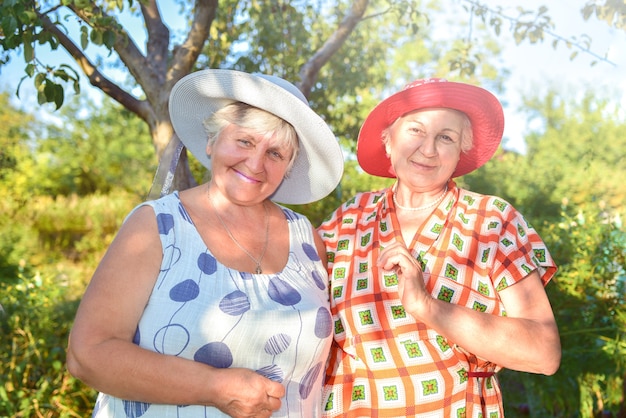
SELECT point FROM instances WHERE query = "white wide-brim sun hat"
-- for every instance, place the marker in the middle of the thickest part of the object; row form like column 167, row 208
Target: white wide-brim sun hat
column 318, row 167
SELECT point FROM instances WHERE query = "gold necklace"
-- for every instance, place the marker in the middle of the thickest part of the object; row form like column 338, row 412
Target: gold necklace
column 267, row 230
column 428, row 206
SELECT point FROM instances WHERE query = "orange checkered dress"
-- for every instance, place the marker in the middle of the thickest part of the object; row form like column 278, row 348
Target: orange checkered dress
column 385, row 363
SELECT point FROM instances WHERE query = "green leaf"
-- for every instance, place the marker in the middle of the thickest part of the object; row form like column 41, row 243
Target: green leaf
column 84, row 37
column 109, row 39
column 96, row 36
column 40, row 78
column 29, row 52
column 9, row 25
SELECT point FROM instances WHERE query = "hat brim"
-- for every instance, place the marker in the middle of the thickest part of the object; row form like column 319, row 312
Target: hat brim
column 481, row 107
column 318, row 167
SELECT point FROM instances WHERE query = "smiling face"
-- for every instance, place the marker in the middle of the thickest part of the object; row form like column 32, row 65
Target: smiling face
column 247, row 166
column 251, row 151
column 424, row 146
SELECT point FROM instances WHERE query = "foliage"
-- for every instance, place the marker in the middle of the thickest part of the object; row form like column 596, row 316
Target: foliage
column 563, row 187
column 576, row 155
column 589, row 300
column 83, row 150
column 35, row 318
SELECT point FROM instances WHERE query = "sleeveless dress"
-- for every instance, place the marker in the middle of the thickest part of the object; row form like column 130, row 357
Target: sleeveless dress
column 384, row 363
column 276, row 324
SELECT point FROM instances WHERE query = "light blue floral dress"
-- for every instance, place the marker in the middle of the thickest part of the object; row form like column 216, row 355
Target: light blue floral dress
column 276, row 324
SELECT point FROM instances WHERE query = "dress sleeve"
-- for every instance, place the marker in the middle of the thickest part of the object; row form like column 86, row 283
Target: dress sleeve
column 520, row 250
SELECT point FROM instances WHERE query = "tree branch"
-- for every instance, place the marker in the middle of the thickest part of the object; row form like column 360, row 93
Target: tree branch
column 128, row 52
column 96, row 78
column 187, row 54
column 310, row 70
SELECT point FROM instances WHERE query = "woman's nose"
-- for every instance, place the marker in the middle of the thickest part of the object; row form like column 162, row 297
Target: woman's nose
column 256, row 160
column 428, row 147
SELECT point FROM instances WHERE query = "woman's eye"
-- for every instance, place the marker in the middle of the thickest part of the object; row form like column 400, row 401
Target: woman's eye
column 446, row 138
column 245, row 142
column 275, row 155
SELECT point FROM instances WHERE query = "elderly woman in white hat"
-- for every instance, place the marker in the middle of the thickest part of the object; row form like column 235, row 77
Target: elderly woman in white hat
column 213, row 301
column 433, row 288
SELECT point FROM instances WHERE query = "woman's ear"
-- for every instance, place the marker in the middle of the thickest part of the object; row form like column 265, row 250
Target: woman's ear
column 387, row 148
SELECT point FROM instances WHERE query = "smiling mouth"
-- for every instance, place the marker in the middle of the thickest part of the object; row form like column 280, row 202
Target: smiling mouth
column 246, row 178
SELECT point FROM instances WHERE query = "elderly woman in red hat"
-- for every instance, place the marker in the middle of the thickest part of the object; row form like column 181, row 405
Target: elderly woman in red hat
column 433, row 288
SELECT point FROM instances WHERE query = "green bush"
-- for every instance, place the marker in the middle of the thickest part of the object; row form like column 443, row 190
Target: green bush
column 588, row 296
column 35, row 320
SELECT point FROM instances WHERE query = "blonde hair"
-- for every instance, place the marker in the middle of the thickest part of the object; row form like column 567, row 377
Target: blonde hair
column 258, row 120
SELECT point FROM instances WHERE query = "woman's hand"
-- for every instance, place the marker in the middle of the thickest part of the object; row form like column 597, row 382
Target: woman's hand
column 413, row 295
column 245, row 393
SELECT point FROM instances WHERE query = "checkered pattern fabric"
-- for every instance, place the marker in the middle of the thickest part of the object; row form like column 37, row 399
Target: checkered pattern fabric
column 385, row 363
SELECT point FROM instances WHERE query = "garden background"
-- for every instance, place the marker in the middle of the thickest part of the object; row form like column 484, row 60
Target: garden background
column 73, row 165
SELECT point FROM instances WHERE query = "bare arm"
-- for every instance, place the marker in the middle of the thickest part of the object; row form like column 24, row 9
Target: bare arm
column 102, row 354
column 527, row 339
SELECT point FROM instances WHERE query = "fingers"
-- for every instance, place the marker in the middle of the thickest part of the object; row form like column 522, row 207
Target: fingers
column 275, row 390
column 248, row 394
column 396, row 257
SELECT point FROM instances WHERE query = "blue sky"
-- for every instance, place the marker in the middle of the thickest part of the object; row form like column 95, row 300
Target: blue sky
column 533, row 68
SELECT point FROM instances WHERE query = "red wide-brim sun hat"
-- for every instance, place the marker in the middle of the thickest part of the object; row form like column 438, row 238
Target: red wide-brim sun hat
column 481, row 107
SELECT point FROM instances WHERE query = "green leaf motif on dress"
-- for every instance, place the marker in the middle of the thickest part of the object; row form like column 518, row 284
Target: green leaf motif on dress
column 363, row 267
column 361, row 284
column 398, row 312
column 527, row 269
column 430, row 387
column 506, row 242
column 329, row 402
column 339, row 329
column 493, row 225
column 358, row 393
column 463, row 218
column 540, row 253
column 390, row 279
column 378, row 355
column 442, row 343
column 452, row 272
column 412, row 349
column 437, row 228
column 463, row 375
column 483, row 289
column 365, row 239
column 485, row 255
column 347, row 221
column 521, row 231
column 480, row 307
column 462, row 413
column 366, row 317
column 383, row 226
column 500, row 204
column 339, row 273
column 469, row 199
column 502, row 285
column 337, row 292
column 457, row 241
column 391, row 393
column 343, row 245
column 445, row 294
